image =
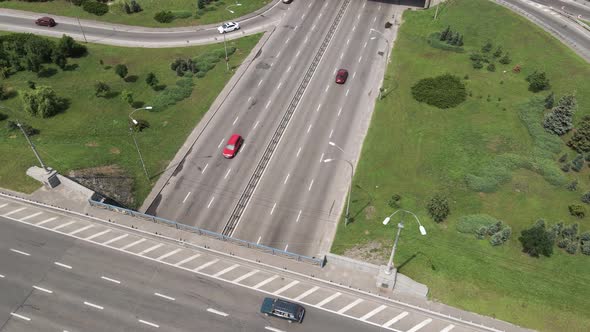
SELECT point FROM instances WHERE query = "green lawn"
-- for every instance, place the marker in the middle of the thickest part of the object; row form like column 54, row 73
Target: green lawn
column 416, row 150
column 94, row 131
column 215, row 12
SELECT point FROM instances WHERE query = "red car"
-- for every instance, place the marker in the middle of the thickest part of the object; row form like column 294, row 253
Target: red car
column 232, row 146
column 46, row 21
column 341, row 76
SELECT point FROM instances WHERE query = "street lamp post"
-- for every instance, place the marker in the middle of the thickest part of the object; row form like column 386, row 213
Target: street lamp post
column 224, row 42
column 387, row 41
column 347, row 216
column 400, row 225
column 135, row 122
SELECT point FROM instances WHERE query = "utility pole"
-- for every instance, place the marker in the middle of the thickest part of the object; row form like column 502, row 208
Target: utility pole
column 139, row 152
column 32, row 146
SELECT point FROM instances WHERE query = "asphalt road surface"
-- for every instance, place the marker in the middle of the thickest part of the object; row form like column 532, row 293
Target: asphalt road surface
column 51, row 282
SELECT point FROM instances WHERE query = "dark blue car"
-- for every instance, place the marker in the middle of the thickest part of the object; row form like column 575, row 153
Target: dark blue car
column 292, row 312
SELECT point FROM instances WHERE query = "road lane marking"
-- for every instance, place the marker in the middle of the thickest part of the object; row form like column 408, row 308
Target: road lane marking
column 226, row 174
column 132, row 244
column 279, row 86
column 374, row 19
column 151, row 249
column 354, row 74
column 364, row 46
column 63, row 265
column 217, row 312
column 93, row 305
column 185, row 197
column 395, row 319
column 350, row 306
column 247, row 275
column 309, row 128
column 259, row 82
column 43, row 289
column 14, row 211
column 273, row 208
column 289, row 69
column 347, row 91
column 236, row 120
column 210, row 202
column 360, row 58
column 322, row 156
column 256, row 124
column 339, row 111
column 272, row 329
column 420, row 325
column 353, row 28
column 310, row 185
column 220, row 143
column 45, row 221
column 264, row 282
column 298, row 216
column 259, row 238
column 267, row 104
column 341, row 55
column 2, row 276
column 20, row 252
column 320, row 105
column 279, row 54
column 249, row 98
column 298, row 152
column 296, row 55
column 165, row 296
column 331, row 132
column 226, row 270
column 148, row 323
column 203, row 171
column 286, row 178
column 284, row 288
column 97, row 235
column 31, row 216
column 206, row 265
column 313, row 27
column 115, row 239
column 168, row 254
column 373, row 312
column 80, row 230
column 348, row 41
column 305, row 41
column 3, row 205
column 287, row 40
column 307, row 292
column 286, row 247
column 448, row 328
column 186, row 260
column 20, row 316
column 63, row 225
column 110, row 279
column 328, row 299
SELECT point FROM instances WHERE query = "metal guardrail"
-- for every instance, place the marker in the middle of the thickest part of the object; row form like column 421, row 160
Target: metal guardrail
column 196, row 230
column 270, row 148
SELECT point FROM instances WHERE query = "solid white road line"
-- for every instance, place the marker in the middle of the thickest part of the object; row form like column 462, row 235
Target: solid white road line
column 227, row 174
column 350, row 306
column 115, row 239
column 151, row 249
column 206, row 265
column 31, row 216
column 132, row 244
column 165, row 296
column 20, row 252
column 217, row 312
column 204, row 168
column 373, row 312
column 45, row 221
column 298, row 216
column 20, row 316
column 226, row 270
column 286, row 178
column 247, row 275
column 420, row 325
column 395, row 319
column 111, row 280
column 80, row 230
column 63, row 225
column 14, row 211
column 43, row 289
column 148, row 323
column 328, row 299
column 93, row 305
column 63, row 265
column 168, row 254
column 272, row 329
column 264, row 282
column 307, row 292
column 211, row 201
column 448, row 328
column 97, row 235
column 273, row 208
column 186, row 260
column 291, row 284
column 185, row 197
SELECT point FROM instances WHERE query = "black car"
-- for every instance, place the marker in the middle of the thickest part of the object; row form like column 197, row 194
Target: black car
column 292, row 312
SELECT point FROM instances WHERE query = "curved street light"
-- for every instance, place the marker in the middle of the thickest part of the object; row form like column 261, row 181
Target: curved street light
column 400, row 225
column 224, row 42
column 387, row 41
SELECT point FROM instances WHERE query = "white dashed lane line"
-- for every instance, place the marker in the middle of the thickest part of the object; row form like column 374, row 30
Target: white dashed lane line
column 20, row 252
column 96, row 306
column 20, row 316
column 111, row 280
column 165, row 296
column 43, row 289
column 63, row 265
column 148, row 323
column 185, row 197
column 272, row 329
column 217, row 312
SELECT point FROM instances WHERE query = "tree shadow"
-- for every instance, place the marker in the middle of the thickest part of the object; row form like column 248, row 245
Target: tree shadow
column 160, row 87
column 411, row 258
column 107, row 67
column 47, row 72
column 9, row 94
column 131, row 78
column 71, row 67
column 137, row 104
column 111, row 94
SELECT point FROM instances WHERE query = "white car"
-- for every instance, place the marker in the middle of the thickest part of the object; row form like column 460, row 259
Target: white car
column 228, row 27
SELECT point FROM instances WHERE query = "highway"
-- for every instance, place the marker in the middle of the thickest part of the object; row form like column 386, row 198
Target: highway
column 51, row 282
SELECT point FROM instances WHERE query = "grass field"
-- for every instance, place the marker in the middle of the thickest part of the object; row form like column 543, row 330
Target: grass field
column 429, row 151
column 215, row 13
column 94, row 131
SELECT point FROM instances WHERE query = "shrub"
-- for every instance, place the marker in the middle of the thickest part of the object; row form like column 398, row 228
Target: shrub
column 498, row 52
column 77, row 2
column 394, row 201
column 565, row 167
column 438, row 208
column 443, row 91
column 121, row 70
column 434, row 41
column 70, row 47
column 577, row 210
column 181, row 14
column 506, row 233
column 139, row 125
column 572, row 248
column 481, row 232
column 96, row 8
column 477, row 64
column 3, row 92
column 585, row 237
column 505, row 59
column 538, row 81
column 135, row 7
column 182, row 90
column 101, row 89
column 585, row 198
column 536, row 240
column 559, row 120
column 563, row 158
column 12, row 125
column 152, row 80
column 3, row 116
column 487, row 47
column 570, row 232
column 32, row 85
column 42, row 101
column 491, row 67
column 585, row 248
column 495, row 227
column 496, row 239
column 164, row 16
column 572, row 186
column 563, row 243
column 127, row 96
column 580, row 140
column 578, row 163
column 549, row 101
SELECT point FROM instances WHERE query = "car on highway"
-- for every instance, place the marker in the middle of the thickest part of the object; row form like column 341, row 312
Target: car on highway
column 232, row 146
column 290, row 311
column 45, row 21
column 341, row 76
column 287, row 1
column 228, row 27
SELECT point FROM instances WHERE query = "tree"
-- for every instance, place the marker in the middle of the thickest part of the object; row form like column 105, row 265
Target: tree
column 558, row 121
column 121, row 70
column 577, row 210
column 59, row 58
column 537, row 240
column 538, row 81
column 101, row 89
column 491, row 67
column 568, row 101
column 460, row 42
column 152, row 80
column 127, row 96
column 455, row 40
column 498, row 52
column 580, row 141
column 70, row 47
column 127, row 8
column 135, row 7
column 487, row 47
column 201, row 5
column 42, row 101
column 3, row 92
column 164, row 16
column 438, row 208
column 549, row 101
column 505, row 59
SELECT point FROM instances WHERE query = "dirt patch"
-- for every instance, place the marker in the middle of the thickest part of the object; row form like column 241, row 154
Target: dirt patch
column 372, row 252
column 370, row 212
column 110, row 181
column 91, row 144
column 114, row 150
